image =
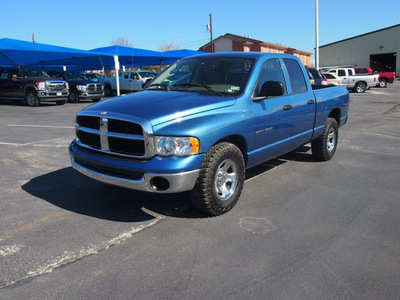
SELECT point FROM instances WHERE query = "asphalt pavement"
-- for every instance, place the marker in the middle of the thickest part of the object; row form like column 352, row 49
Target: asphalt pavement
column 301, row 230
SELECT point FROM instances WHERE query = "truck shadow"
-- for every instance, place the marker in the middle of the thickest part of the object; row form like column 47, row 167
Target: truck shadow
column 72, row 191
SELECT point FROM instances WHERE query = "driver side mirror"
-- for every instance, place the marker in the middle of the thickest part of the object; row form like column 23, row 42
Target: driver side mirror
column 270, row 89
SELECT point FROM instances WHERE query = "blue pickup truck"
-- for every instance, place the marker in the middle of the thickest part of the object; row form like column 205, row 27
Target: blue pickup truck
column 199, row 133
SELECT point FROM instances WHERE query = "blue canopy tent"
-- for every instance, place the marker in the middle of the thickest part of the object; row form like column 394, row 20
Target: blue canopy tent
column 16, row 53
column 183, row 53
column 35, row 55
column 134, row 57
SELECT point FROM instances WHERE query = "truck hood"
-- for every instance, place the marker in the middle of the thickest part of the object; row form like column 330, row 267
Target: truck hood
column 42, row 79
column 161, row 106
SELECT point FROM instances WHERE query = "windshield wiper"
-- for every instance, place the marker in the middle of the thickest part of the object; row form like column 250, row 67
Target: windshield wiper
column 209, row 89
column 164, row 86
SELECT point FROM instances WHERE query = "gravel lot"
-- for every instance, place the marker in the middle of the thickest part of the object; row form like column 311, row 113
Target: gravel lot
column 301, row 230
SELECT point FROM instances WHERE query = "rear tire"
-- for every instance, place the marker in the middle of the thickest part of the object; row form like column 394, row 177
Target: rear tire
column 383, row 83
column 325, row 146
column 220, row 181
column 32, row 99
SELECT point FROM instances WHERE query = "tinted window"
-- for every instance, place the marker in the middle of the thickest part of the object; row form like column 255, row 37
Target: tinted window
column 350, row 72
column 271, row 71
column 315, row 73
column 341, row 73
column 296, row 76
column 329, row 76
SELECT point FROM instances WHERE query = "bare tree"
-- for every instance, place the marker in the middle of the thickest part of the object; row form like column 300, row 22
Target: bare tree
column 122, row 41
column 168, row 46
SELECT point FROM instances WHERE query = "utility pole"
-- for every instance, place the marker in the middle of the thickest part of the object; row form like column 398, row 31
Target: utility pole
column 211, row 31
column 316, row 35
column 33, row 37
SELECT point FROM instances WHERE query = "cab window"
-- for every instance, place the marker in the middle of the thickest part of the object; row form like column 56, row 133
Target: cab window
column 296, row 76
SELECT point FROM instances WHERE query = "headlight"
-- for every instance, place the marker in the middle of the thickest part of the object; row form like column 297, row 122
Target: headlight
column 81, row 88
column 41, row 85
column 182, row 146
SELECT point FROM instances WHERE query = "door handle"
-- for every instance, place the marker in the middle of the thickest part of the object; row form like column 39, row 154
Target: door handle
column 288, row 107
column 310, row 102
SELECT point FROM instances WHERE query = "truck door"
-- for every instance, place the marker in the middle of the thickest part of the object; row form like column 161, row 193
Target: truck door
column 343, row 75
column 272, row 117
column 3, row 83
column 124, row 81
column 11, row 83
column 304, row 105
column 136, row 82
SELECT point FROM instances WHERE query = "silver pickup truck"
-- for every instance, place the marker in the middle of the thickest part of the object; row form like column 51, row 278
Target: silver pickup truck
column 358, row 83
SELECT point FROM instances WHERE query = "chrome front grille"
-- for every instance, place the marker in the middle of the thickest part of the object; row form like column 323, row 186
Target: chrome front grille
column 56, row 86
column 94, row 87
column 115, row 136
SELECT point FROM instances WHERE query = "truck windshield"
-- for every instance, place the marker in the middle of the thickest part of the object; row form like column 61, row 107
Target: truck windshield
column 144, row 74
column 223, row 76
column 31, row 73
column 75, row 76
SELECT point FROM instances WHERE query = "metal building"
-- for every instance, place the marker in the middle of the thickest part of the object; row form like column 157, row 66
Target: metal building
column 378, row 50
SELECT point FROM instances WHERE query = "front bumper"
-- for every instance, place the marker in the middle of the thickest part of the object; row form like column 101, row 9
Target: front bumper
column 52, row 96
column 91, row 95
column 158, row 175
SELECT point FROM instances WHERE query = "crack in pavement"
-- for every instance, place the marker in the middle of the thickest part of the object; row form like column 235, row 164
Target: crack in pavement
column 69, row 257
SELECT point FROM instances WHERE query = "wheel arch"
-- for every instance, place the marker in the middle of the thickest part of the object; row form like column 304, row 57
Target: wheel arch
column 335, row 114
column 29, row 88
column 361, row 81
column 237, row 140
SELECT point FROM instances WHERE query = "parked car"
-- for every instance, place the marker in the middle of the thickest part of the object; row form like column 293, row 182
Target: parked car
column 332, row 78
column 33, row 86
column 317, row 76
column 234, row 110
column 358, row 83
column 384, row 77
column 79, row 86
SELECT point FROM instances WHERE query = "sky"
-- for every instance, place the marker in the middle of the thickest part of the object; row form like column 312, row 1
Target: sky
column 149, row 24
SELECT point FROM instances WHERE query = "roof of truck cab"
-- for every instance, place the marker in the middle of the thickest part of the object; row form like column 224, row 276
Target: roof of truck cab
column 254, row 55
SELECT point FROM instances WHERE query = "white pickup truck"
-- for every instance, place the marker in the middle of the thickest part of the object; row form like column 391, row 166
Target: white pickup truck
column 129, row 81
column 358, row 83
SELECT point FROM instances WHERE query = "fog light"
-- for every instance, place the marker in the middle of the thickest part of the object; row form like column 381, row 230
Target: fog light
column 159, row 184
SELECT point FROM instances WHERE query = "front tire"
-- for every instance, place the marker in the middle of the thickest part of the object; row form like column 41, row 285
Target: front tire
column 73, row 97
column 32, row 99
column 220, row 181
column 325, row 146
column 108, row 92
column 360, row 87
